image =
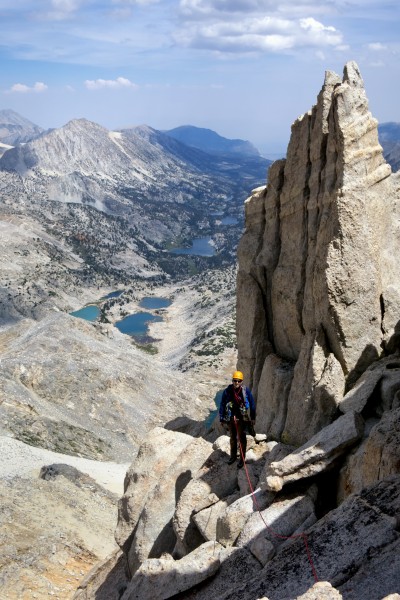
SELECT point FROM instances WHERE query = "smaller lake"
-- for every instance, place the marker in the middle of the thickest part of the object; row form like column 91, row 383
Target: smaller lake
column 137, row 324
column 200, row 247
column 154, row 302
column 213, row 413
column 112, row 295
column 89, row 313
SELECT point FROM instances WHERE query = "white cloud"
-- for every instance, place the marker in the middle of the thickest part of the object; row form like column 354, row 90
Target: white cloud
column 21, row 88
column 264, row 34
column 60, row 10
column 318, row 33
column 377, row 46
column 120, row 82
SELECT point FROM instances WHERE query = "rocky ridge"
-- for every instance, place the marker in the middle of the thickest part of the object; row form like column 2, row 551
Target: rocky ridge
column 163, row 189
column 318, row 340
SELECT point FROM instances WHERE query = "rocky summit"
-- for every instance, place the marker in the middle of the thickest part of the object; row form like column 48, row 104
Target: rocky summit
column 314, row 514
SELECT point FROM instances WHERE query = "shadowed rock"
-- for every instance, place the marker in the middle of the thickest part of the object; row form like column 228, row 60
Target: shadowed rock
column 316, row 455
column 339, row 544
column 375, row 459
column 160, row 578
column 155, row 455
column 215, row 479
column 267, row 530
column 234, row 518
column 382, row 377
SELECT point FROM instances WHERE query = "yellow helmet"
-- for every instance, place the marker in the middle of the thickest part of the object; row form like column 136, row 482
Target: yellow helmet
column 238, row 375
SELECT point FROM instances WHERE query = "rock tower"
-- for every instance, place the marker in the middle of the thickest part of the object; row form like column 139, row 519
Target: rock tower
column 318, row 289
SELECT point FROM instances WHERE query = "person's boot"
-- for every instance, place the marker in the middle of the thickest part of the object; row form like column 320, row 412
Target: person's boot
column 232, row 460
column 240, row 463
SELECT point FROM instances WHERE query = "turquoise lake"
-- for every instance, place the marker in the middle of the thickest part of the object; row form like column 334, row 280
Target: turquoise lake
column 89, row 313
column 200, row 247
column 152, row 302
column 137, row 324
column 213, row 413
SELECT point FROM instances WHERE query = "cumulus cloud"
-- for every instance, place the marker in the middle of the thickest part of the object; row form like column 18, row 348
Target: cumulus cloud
column 317, row 33
column 248, row 26
column 21, row 88
column 120, row 82
column 262, row 34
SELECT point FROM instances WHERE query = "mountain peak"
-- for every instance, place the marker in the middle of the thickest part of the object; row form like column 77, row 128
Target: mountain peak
column 210, row 141
column 15, row 129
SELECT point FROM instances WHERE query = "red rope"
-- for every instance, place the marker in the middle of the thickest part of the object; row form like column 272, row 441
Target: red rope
column 278, row 535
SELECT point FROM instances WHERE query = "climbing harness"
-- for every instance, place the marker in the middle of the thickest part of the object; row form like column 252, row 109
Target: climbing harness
column 302, row 535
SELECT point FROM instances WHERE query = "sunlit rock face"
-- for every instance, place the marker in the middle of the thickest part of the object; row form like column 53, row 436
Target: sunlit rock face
column 318, row 290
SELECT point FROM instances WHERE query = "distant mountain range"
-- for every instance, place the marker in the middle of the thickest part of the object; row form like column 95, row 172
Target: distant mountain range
column 210, row 141
column 120, row 172
column 389, row 137
column 122, row 199
column 15, row 129
column 389, row 132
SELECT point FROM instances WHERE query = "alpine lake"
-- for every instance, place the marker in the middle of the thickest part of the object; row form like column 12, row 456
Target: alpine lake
column 137, row 324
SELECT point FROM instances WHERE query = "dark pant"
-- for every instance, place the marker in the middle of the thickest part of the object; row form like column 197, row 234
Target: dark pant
column 237, row 430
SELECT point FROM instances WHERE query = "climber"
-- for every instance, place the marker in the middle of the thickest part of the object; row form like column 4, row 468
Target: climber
column 237, row 412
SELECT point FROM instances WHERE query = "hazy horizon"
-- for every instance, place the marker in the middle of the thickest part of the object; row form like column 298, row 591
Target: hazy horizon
column 244, row 68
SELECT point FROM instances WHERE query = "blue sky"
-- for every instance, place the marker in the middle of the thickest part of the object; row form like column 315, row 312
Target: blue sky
column 245, row 68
